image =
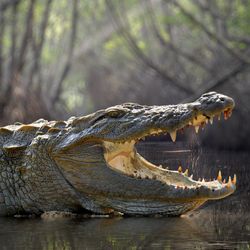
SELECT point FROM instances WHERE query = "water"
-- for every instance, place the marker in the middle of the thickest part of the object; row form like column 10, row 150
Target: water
column 223, row 224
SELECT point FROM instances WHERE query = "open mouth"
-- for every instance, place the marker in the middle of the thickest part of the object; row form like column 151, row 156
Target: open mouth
column 123, row 157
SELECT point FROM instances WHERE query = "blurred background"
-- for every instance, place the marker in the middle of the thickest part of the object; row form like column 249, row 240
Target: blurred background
column 64, row 58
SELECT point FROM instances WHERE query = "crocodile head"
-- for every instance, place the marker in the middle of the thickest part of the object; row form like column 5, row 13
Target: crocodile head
column 97, row 156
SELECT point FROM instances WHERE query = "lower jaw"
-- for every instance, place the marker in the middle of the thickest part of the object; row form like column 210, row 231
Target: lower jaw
column 147, row 208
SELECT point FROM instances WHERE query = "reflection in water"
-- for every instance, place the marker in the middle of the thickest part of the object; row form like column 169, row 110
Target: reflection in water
column 221, row 224
column 205, row 230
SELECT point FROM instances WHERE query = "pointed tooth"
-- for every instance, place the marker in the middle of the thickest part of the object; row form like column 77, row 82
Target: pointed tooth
column 180, row 169
column 196, row 129
column 225, row 115
column 173, row 136
column 199, row 179
column 211, row 120
column 229, row 183
column 160, row 166
column 234, row 179
column 219, row 117
column 203, row 180
column 219, row 177
column 224, row 181
column 206, row 121
column 190, row 123
column 186, row 172
column 191, row 176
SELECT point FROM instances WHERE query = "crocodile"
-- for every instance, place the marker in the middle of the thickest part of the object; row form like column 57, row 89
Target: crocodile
column 89, row 164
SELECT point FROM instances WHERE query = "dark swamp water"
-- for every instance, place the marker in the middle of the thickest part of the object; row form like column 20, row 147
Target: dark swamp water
column 223, row 224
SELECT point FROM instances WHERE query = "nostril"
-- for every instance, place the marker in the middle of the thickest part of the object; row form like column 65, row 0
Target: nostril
column 222, row 99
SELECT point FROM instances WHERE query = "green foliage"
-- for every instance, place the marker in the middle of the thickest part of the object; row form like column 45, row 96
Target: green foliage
column 72, row 96
column 138, row 19
column 239, row 22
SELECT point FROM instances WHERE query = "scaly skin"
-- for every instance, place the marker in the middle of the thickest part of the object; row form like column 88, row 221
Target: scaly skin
column 90, row 162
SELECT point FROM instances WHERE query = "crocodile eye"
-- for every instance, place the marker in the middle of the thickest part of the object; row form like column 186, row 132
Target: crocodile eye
column 115, row 114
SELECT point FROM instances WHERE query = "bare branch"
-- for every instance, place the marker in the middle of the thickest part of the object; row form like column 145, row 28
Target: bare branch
column 139, row 53
column 107, row 31
column 2, row 29
column 223, row 79
column 58, row 85
column 171, row 46
column 221, row 18
column 38, row 46
column 13, row 41
column 210, row 34
column 26, row 36
column 12, row 55
column 206, row 7
column 8, row 3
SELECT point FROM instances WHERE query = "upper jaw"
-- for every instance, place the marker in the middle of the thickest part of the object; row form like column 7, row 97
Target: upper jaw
column 170, row 119
column 196, row 119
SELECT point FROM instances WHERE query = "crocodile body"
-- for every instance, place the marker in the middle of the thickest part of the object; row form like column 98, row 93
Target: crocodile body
column 90, row 163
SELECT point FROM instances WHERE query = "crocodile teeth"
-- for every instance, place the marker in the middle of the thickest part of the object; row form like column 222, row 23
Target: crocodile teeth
column 211, row 120
column 219, row 177
column 234, row 179
column 191, row 176
column 225, row 115
column 219, row 117
column 180, row 169
column 173, row 136
column 196, row 129
column 229, row 183
column 186, row 172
